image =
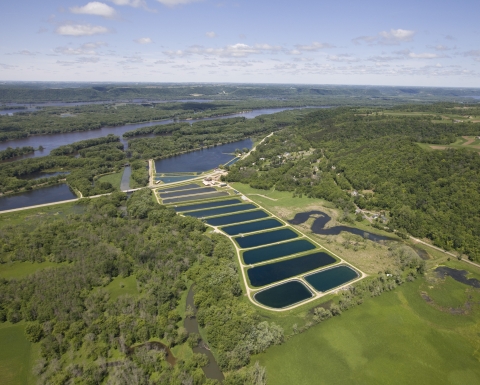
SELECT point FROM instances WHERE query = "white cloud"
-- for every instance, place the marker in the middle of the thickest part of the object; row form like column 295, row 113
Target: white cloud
column 392, row 37
column 131, row 3
column 24, row 52
column 95, row 8
column 440, row 47
column 143, row 40
column 211, row 34
column 7, row 66
column 80, row 30
column 235, row 50
column 397, row 35
column 88, row 60
column 424, row 55
column 345, row 58
column 315, row 46
column 173, row 3
column 84, row 49
column 475, row 54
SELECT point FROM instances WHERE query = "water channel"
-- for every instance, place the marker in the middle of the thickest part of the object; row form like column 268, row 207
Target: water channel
column 318, row 226
column 51, row 141
column 211, row 370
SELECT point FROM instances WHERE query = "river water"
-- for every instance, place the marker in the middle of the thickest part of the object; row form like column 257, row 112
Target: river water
column 51, row 141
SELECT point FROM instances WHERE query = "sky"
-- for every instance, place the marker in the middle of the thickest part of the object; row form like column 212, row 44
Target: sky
column 370, row 42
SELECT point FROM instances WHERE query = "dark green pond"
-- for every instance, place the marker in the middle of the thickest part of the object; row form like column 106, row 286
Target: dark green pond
column 186, row 192
column 265, row 238
column 253, row 226
column 221, row 210
column 283, row 295
column 199, row 206
column 328, row 279
column 236, row 218
column 178, row 188
column 268, row 253
column 273, row 272
column 195, row 197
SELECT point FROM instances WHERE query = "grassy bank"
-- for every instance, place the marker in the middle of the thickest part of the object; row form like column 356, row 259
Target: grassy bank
column 397, row 338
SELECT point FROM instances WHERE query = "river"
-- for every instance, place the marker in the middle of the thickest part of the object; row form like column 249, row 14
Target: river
column 51, row 141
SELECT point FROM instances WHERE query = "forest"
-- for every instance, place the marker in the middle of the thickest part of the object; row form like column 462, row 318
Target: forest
column 84, row 335
column 429, row 194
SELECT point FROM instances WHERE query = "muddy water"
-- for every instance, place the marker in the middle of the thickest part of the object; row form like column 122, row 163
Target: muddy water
column 457, row 275
column 211, row 370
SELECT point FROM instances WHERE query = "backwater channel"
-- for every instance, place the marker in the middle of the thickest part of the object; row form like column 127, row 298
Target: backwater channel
column 51, row 141
column 211, row 370
column 318, row 226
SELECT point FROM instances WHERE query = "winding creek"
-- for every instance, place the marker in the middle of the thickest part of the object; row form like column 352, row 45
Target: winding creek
column 211, row 370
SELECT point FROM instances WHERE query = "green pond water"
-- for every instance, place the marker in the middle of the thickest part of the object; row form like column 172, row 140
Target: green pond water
column 331, row 278
column 283, row 295
column 273, row 272
column 252, row 226
column 255, row 240
column 268, row 253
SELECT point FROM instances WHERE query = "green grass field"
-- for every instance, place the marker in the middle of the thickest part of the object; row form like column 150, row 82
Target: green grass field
column 18, row 270
column 397, row 338
column 121, row 286
column 114, row 179
column 15, row 355
column 458, row 144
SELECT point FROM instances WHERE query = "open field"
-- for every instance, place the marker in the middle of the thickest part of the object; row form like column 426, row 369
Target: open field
column 19, row 270
column 465, row 142
column 15, row 355
column 397, row 338
column 114, row 179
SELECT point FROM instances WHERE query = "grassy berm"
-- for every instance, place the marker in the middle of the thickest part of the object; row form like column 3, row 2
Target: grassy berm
column 424, row 332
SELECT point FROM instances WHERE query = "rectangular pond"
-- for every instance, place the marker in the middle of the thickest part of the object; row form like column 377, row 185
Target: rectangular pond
column 50, row 194
column 178, row 188
column 331, row 278
column 195, row 197
column 198, row 190
column 273, row 272
column 237, row 218
column 199, row 206
column 283, row 295
column 268, row 253
column 252, row 226
column 172, row 179
column 265, row 238
column 221, row 210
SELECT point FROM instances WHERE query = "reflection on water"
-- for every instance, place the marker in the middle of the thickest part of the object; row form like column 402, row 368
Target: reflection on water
column 50, row 194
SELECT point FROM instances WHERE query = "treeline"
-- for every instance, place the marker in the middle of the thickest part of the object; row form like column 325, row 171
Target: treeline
column 17, row 151
column 103, row 156
column 429, row 194
column 68, row 309
column 74, row 147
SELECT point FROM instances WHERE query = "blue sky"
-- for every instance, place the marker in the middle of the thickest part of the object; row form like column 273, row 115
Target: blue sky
column 416, row 43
